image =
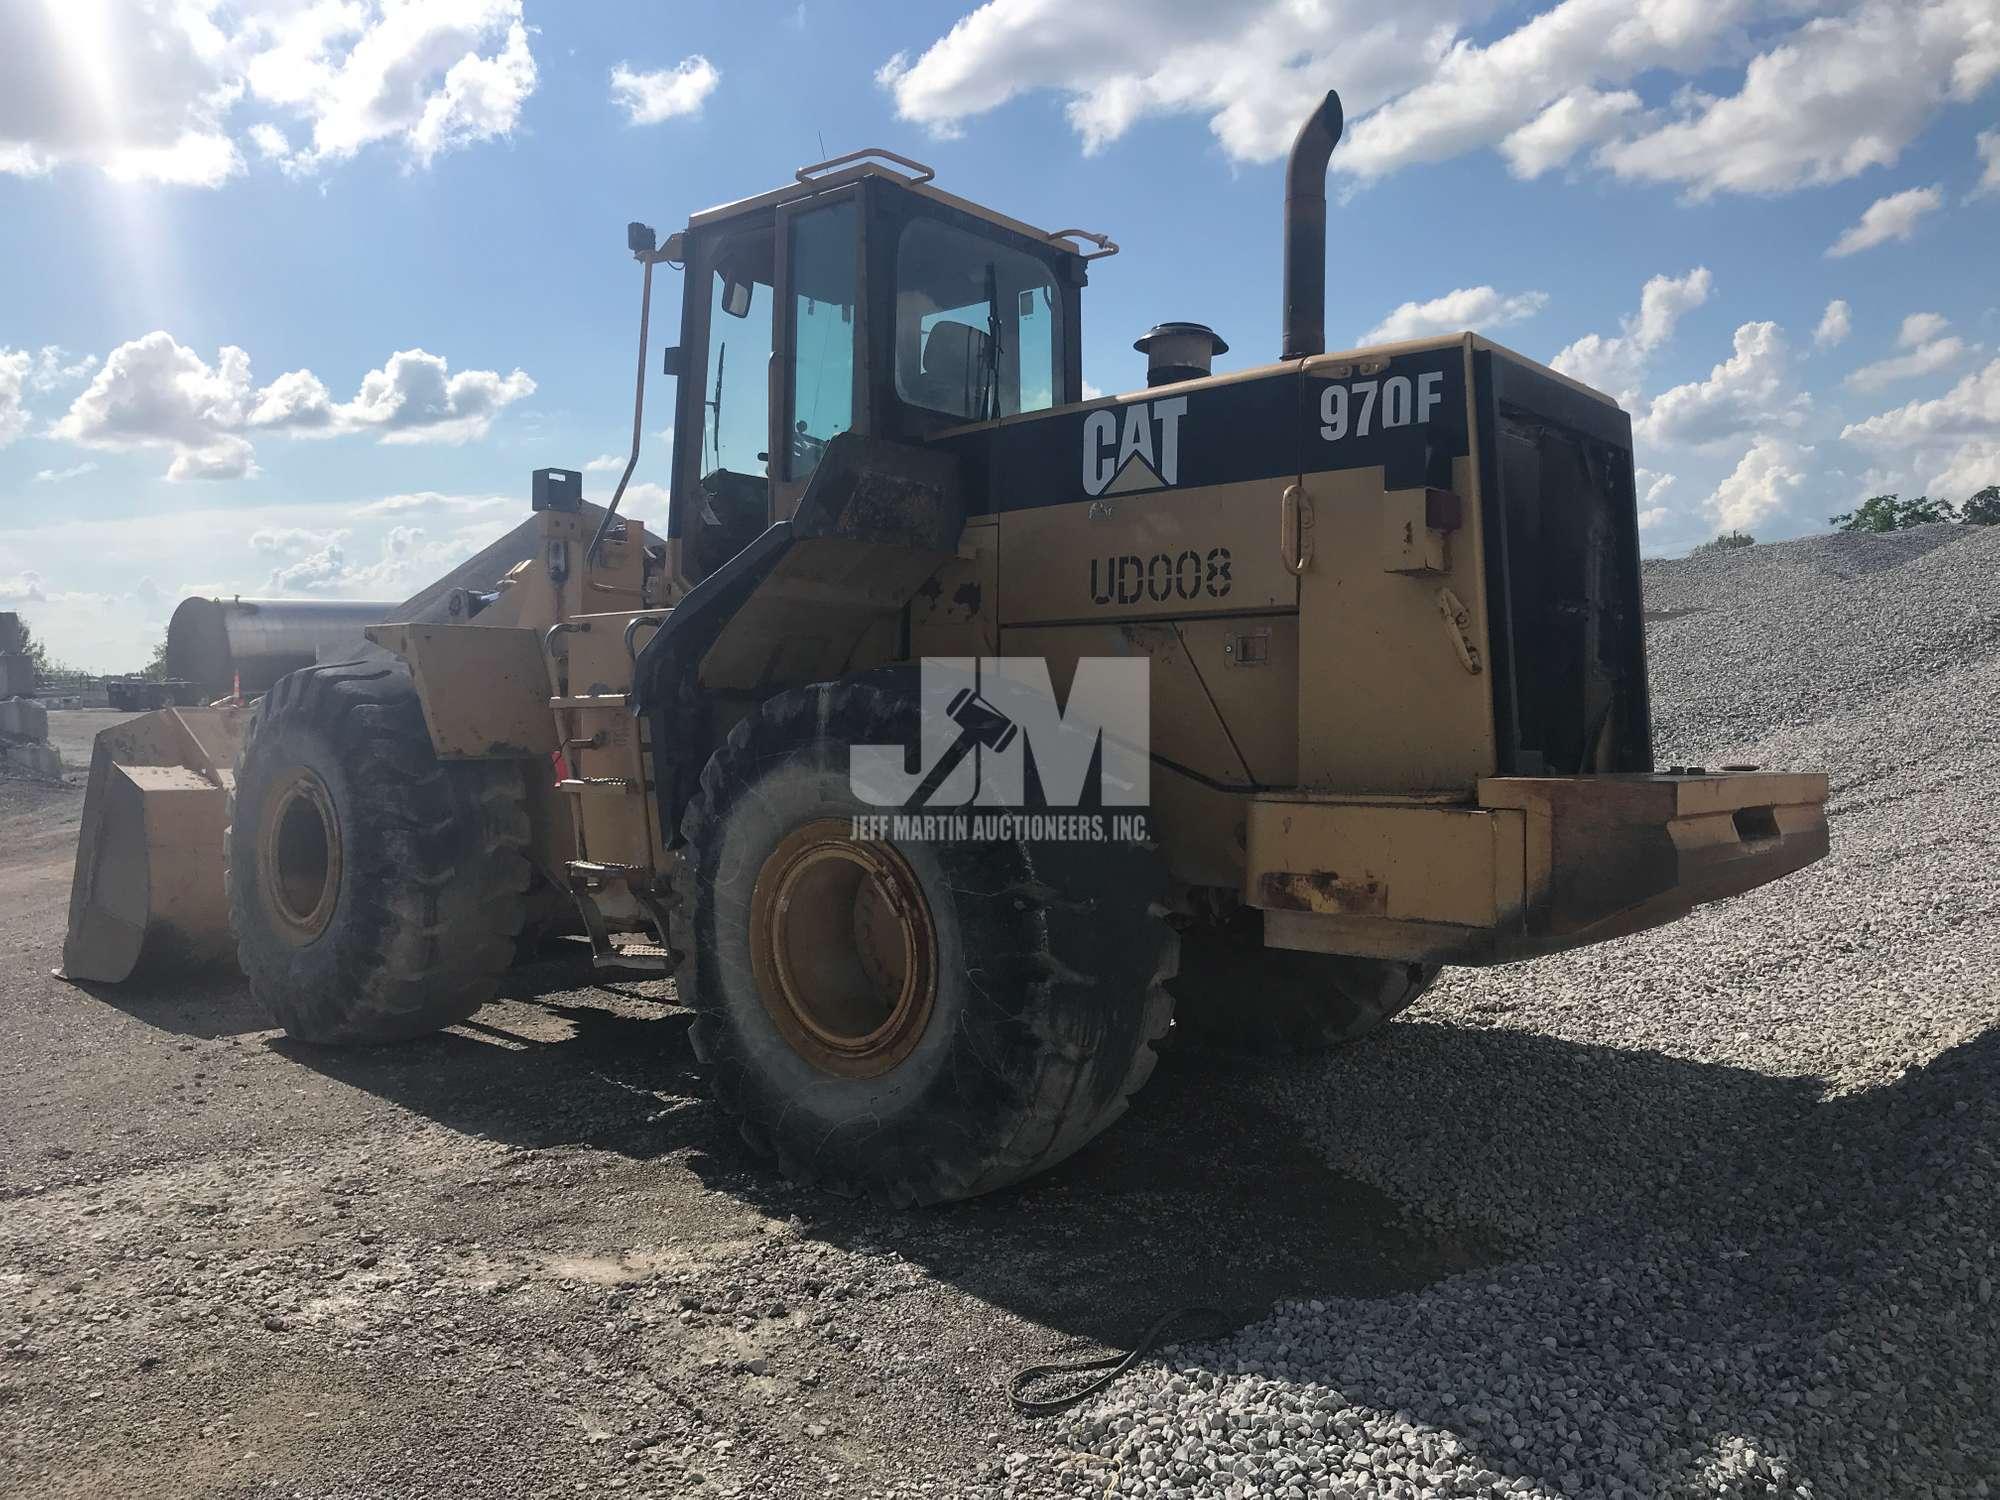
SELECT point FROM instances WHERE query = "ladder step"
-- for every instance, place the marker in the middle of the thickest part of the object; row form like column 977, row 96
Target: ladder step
column 590, row 869
column 591, row 700
column 647, row 957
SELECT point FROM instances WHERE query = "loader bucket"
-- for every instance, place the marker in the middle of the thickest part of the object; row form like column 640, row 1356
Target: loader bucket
column 148, row 891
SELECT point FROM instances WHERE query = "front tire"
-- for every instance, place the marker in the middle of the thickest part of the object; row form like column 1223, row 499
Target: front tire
column 376, row 893
column 916, row 1021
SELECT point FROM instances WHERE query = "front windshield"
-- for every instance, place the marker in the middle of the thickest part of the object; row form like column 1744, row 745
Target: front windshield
column 976, row 325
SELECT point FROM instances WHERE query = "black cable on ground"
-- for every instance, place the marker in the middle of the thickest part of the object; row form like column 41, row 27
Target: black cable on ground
column 1113, row 1366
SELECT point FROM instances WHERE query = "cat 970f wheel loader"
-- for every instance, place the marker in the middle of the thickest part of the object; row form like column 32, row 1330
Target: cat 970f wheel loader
column 956, row 733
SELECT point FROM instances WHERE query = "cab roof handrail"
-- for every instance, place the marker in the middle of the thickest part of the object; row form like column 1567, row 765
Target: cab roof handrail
column 919, row 172
column 1105, row 244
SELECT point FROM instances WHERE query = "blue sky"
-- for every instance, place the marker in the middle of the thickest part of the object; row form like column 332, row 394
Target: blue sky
column 1768, row 227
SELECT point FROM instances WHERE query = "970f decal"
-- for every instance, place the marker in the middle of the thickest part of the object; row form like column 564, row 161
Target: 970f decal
column 1363, row 406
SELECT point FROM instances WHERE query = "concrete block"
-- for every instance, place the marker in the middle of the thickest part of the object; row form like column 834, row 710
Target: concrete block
column 32, row 760
column 23, row 719
column 17, row 676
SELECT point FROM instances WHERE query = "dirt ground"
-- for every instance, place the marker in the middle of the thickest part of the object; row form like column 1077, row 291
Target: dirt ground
column 526, row 1257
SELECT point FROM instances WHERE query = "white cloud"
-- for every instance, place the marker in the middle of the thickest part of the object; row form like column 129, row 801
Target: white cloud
column 1921, row 328
column 1470, row 307
column 1820, row 98
column 1479, row 95
column 23, row 588
column 433, row 77
column 1892, row 218
column 413, row 399
column 1989, row 154
column 292, row 541
column 57, row 476
column 430, row 502
column 1834, row 325
column 1931, row 348
column 15, row 365
column 1254, row 69
column 55, row 368
column 153, row 90
column 153, row 392
column 1580, row 118
column 1950, row 445
column 271, row 142
column 1763, row 484
column 606, row 463
column 1747, row 393
column 324, row 569
column 1614, row 363
column 1825, row 101
column 24, row 371
column 1652, row 486
column 93, row 575
column 137, row 88
column 665, row 93
column 410, row 559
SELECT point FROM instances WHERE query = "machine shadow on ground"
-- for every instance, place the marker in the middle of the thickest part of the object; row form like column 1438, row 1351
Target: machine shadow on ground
column 1209, row 1193
column 1205, row 1193
column 206, row 1005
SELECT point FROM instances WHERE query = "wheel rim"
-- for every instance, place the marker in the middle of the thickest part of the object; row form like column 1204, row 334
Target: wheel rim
column 843, row 949
column 300, row 855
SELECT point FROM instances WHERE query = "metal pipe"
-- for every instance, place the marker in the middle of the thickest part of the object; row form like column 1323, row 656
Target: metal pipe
column 216, row 642
column 646, row 258
column 1305, row 230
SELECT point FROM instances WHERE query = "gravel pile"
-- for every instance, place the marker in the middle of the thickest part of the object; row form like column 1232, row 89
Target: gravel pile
column 1755, row 639
column 1748, row 1164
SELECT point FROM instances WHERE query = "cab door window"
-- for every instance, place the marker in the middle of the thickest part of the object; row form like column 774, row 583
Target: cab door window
column 736, row 404
column 823, row 282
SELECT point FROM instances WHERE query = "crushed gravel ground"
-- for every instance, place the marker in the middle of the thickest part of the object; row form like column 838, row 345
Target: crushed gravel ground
column 1747, row 1165
column 1707, row 1211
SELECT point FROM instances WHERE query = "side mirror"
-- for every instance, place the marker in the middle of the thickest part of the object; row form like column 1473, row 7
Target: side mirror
column 670, row 360
column 736, row 298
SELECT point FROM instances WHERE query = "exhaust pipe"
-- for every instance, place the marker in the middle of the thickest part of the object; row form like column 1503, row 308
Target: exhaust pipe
column 1305, row 230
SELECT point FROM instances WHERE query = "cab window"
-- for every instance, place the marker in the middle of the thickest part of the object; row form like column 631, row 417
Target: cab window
column 736, row 408
column 736, row 402
column 976, row 325
column 824, row 277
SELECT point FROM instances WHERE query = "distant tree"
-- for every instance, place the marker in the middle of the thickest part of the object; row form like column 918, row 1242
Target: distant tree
column 1728, row 541
column 35, row 651
column 1888, row 513
column 156, row 665
column 1983, row 509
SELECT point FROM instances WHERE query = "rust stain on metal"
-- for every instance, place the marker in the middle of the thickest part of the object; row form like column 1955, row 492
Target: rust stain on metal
column 1324, row 891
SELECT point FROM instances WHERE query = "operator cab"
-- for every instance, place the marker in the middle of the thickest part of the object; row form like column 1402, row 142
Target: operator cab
column 863, row 299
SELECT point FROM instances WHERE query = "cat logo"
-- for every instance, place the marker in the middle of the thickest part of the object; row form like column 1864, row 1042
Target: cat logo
column 1144, row 453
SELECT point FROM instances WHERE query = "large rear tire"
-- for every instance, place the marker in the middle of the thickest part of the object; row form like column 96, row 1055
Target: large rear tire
column 1234, row 992
column 915, row 1021
column 376, row 892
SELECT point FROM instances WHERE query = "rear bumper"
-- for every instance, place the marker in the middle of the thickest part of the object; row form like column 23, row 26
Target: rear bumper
column 1533, row 865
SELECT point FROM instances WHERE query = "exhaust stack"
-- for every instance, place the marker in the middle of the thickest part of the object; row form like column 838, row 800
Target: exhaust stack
column 1305, row 230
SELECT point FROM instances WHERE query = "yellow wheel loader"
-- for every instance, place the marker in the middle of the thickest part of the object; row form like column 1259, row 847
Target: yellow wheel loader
column 956, row 734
